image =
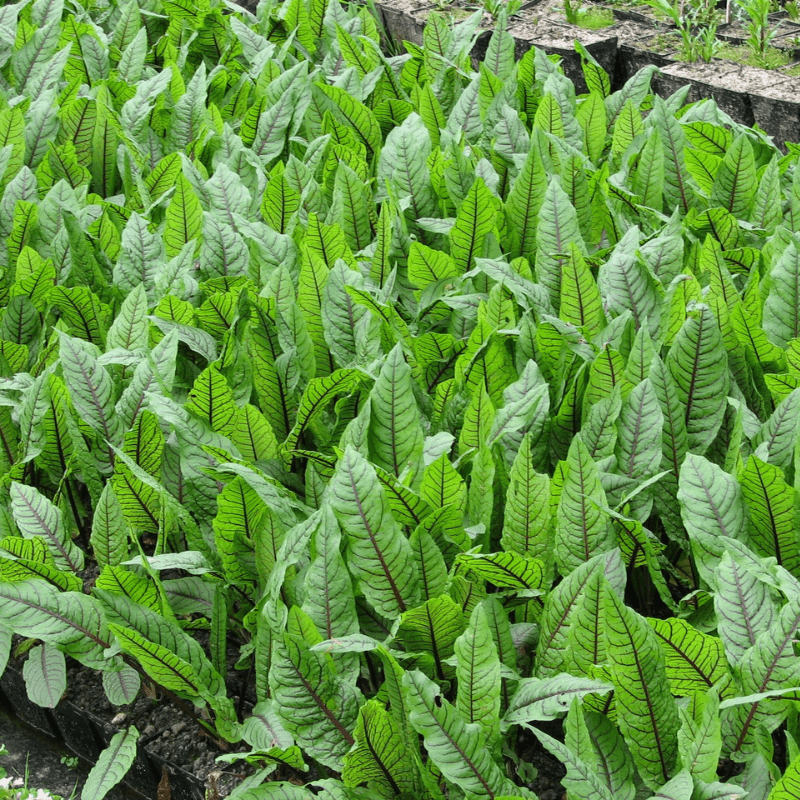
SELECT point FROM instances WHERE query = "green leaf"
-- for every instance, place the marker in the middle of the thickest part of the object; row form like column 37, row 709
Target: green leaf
column 523, row 203
column 121, row 687
column 788, row 787
column 538, row 699
column 563, row 603
column 329, row 600
column 582, row 527
column 557, row 227
column 773, row 510
column 138, row 588
column 36, row 516
column 526, row 519
column 779, row 432
column 695, row 661
column 432, row 629
column 595, row 741
column 698, row 364
column 381, row 757
column 318, row 394
column 90, row 386
column 744, row 606
column 427, row 266
column 678, row 191
column 769, row 664
column 711, row 500
column 70, row 619
column 184, row 218
column 314, row 705
column 379, row 555
column 129, row 330
column 144, row 626
column 627, row 285
column 580, row 298
column 253, row 435
column 112, row 764
column 160, row 663
column 45, row 674
column 211, row 399
column 782, row 306
column 735, row 182
column 505, row 570
column 395, row 433
column 474, row 221
column 240, row 518
column 648, row 182
column 460, row 753
column 582, row 778
column 700, row 740
column 478, row 676
column 639, row 426
column 647, row 714
column 352, row 112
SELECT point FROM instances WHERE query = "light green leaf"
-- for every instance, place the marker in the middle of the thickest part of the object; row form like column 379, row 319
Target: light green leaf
column 582, row 527
column 647, row 714
column 735, row 182
column 36, row 516
column 380, row 556
column 782, row 306
column 112, row 764
column 459, row 752
column 395, row 433
column 773, row 507
column 698, row 364
column 381, row 757
column 544, row 699
column 45, row 674
column 478, row 676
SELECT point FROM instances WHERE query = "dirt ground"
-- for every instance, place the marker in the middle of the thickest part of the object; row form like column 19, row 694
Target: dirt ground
column 42, row 756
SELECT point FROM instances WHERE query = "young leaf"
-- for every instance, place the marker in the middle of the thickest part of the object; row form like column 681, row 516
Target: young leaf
column 595, row 741
column 460, row 753
column 695, row 661
column 538, row 699
column 381, row 757
column 112, row 764
column 735, row 183
column 395, row 433
column 475, row 220
column 313, row 703
column 36, row 516
column 698, row 364
column 379, row 555
column 478, row 676
column 582, row 527
column 744, row 605
column 773, row 510
column 45, row 674
column 648, row 716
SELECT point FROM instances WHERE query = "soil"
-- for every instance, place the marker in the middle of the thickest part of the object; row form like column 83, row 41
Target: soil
column 166, row 730
column 555, row 34
column 45, row 761
column 550, row 771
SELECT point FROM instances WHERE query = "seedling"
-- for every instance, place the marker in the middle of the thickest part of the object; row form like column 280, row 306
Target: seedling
column 696, row 24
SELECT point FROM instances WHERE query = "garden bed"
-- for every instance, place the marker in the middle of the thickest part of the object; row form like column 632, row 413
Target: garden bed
column 86, row 734
column 747, row 93
column 85, row 721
